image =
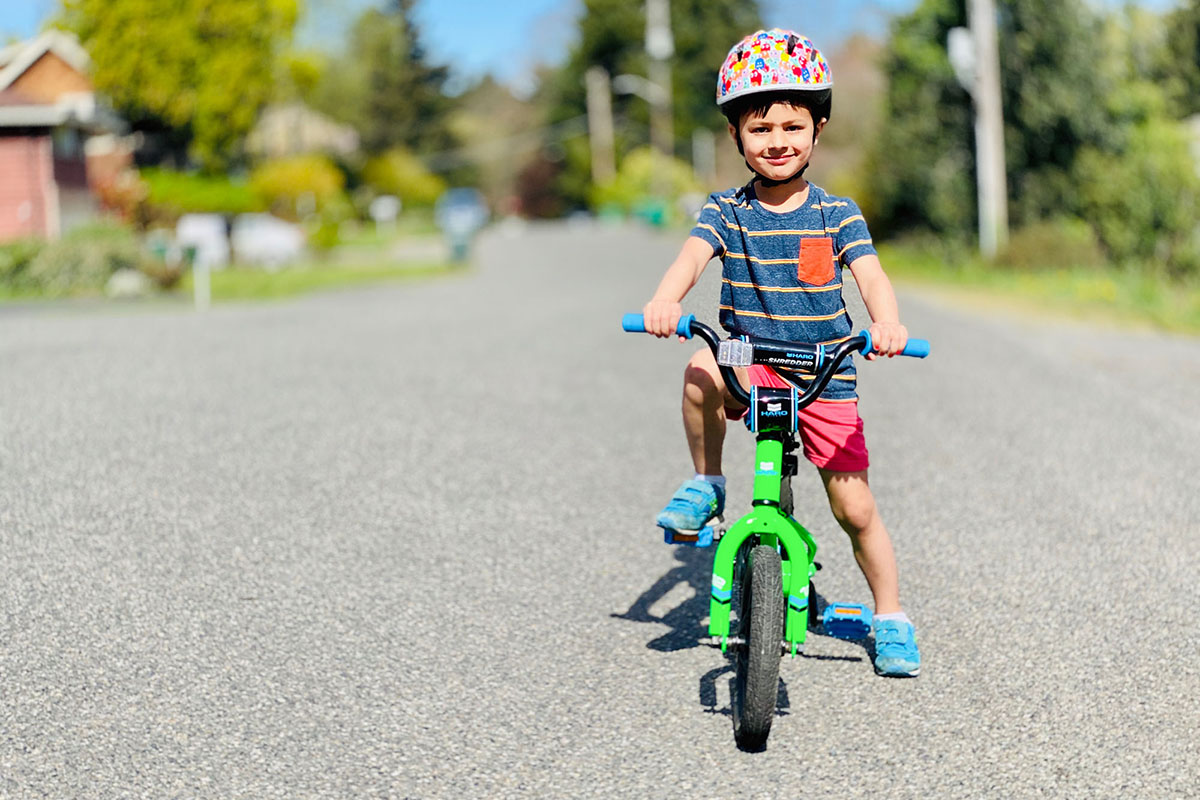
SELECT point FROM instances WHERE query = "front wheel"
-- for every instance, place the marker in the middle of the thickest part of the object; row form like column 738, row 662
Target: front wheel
column 760, row 628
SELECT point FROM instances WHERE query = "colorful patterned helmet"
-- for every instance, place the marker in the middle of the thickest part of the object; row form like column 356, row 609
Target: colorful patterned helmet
column 772, row 61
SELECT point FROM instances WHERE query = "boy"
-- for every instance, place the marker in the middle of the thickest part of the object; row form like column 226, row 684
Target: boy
column 783, row 241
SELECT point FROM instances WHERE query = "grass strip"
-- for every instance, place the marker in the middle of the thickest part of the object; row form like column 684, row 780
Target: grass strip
column 1132, row 297
column 240, row 283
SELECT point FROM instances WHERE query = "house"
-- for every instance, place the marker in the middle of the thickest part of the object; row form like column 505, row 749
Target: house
column 294, row 129
column 59, row 142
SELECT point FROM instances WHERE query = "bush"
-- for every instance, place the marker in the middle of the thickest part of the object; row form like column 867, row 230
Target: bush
column 170, row 194
column 638, row 180
column 401, row 173
column 14, row 261
column 82, row 260
column 1143, row 202
column 1054, row 244
column 299, row 186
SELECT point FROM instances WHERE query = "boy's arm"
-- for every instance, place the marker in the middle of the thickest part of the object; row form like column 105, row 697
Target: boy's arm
column 663, row 311
column 887, row 334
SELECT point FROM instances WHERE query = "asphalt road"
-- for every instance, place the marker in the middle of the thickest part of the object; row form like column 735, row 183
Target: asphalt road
column 398, row 543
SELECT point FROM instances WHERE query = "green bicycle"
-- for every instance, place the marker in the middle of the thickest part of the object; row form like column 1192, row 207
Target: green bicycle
column 765, row 562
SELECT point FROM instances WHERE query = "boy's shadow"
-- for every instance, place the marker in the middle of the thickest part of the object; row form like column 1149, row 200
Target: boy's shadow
column 686, row 628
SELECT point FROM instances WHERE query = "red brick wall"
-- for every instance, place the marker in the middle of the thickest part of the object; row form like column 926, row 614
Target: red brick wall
column 28, row 199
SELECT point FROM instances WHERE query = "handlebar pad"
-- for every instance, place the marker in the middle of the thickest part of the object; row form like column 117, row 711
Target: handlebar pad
column 636, row 323
column 917, row 348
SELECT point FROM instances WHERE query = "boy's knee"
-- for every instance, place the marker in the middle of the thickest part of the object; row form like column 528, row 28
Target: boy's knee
column 852, row 503
column 854, row 516
column 701, row 380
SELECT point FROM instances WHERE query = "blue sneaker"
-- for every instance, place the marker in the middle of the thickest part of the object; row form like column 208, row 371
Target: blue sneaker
column 896, row 653
column 694, row 504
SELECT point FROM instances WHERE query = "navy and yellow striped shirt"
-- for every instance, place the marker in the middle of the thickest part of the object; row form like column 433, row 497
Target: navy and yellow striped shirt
column 782, row 276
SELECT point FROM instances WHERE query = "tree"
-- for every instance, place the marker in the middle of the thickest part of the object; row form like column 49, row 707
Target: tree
column 612, row 35
column 1055, row 96
column 1181, row 64
column 197, row 70
column 404, row 103
column 1089, row 129
column 922, row 165
column 1055, row 103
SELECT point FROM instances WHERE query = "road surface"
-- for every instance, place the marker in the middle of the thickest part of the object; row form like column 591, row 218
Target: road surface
column 398, row 542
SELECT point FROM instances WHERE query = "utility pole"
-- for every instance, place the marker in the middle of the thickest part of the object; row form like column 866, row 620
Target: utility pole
column 975, row 56
column 660, row 46
column 600, row 125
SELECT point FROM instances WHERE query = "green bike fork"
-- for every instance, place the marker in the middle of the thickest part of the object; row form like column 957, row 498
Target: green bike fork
column 768, row 525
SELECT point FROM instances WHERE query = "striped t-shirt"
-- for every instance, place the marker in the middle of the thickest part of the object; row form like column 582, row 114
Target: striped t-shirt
column 782, row 276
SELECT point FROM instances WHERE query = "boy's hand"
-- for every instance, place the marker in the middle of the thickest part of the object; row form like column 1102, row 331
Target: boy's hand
column 662, row 317
column 888, row 339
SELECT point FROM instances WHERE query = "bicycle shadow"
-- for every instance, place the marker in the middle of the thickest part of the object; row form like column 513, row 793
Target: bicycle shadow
column 687, row 627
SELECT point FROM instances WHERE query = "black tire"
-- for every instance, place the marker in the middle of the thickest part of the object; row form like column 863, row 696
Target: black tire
column 760, row 626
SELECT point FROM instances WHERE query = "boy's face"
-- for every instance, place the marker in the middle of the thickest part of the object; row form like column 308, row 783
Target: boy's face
column 778, row 143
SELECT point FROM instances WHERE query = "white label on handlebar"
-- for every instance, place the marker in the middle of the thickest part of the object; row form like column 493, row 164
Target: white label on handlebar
column 735, row 353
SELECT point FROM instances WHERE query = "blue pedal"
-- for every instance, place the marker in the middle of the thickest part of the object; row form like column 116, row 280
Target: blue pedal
column 700, row 538
column 847, row 620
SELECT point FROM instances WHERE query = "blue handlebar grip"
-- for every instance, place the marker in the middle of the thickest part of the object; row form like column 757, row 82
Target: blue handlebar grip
column 633, row 323
column 636, row 323
column 917, row 348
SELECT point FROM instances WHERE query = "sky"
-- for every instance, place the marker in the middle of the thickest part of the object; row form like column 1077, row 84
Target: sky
column 509, row 39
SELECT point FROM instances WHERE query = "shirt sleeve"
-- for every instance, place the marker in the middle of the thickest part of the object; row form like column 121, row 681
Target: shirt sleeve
column 711, row 225
column 852, row 240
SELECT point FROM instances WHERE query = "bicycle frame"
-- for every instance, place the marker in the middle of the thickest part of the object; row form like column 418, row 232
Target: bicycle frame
column 771, row 526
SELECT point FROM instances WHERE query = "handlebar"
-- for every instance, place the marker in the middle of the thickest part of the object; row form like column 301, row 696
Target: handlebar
column 636, row 323
column 822, row 359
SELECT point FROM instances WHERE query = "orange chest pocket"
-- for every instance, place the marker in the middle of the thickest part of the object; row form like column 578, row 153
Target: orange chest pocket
column 816, row 261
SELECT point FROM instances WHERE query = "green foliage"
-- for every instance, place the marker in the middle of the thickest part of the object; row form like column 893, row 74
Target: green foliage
column 404, row 102
column 81, row 261
column 1089, row 134
column 298, row 186
column 922, row 167
column 638, row 179
column 14, row 260
column 1054, row 89
column 1179, row 66
column 1144, row 204
column 612, row 35
column 401, row 173
column 171, row 194
column 204, row 67
column 1053, row 244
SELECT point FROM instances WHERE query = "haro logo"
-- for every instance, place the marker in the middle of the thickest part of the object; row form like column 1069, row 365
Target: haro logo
column 774, row 410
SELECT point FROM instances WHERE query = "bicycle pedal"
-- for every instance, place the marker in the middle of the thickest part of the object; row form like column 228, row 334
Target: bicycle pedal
column 847, row 620
column 700, row 538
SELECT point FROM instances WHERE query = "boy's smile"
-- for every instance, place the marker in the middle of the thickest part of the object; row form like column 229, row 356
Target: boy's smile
column 778, row 143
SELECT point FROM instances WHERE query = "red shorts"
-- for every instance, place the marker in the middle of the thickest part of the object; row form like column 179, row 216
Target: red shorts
column 831, row 432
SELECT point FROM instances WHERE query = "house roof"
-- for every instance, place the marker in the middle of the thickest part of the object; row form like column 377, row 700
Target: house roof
column 78, row 109
column 17, row 58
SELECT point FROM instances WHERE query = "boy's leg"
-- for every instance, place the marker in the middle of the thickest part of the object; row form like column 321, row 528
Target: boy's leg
column 854, row 508
column 896, row 651
column 704, row 401
column 703, row 497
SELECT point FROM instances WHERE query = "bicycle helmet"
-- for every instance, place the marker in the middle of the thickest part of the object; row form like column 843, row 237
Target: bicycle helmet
column 774, row 60
column 772, row 66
